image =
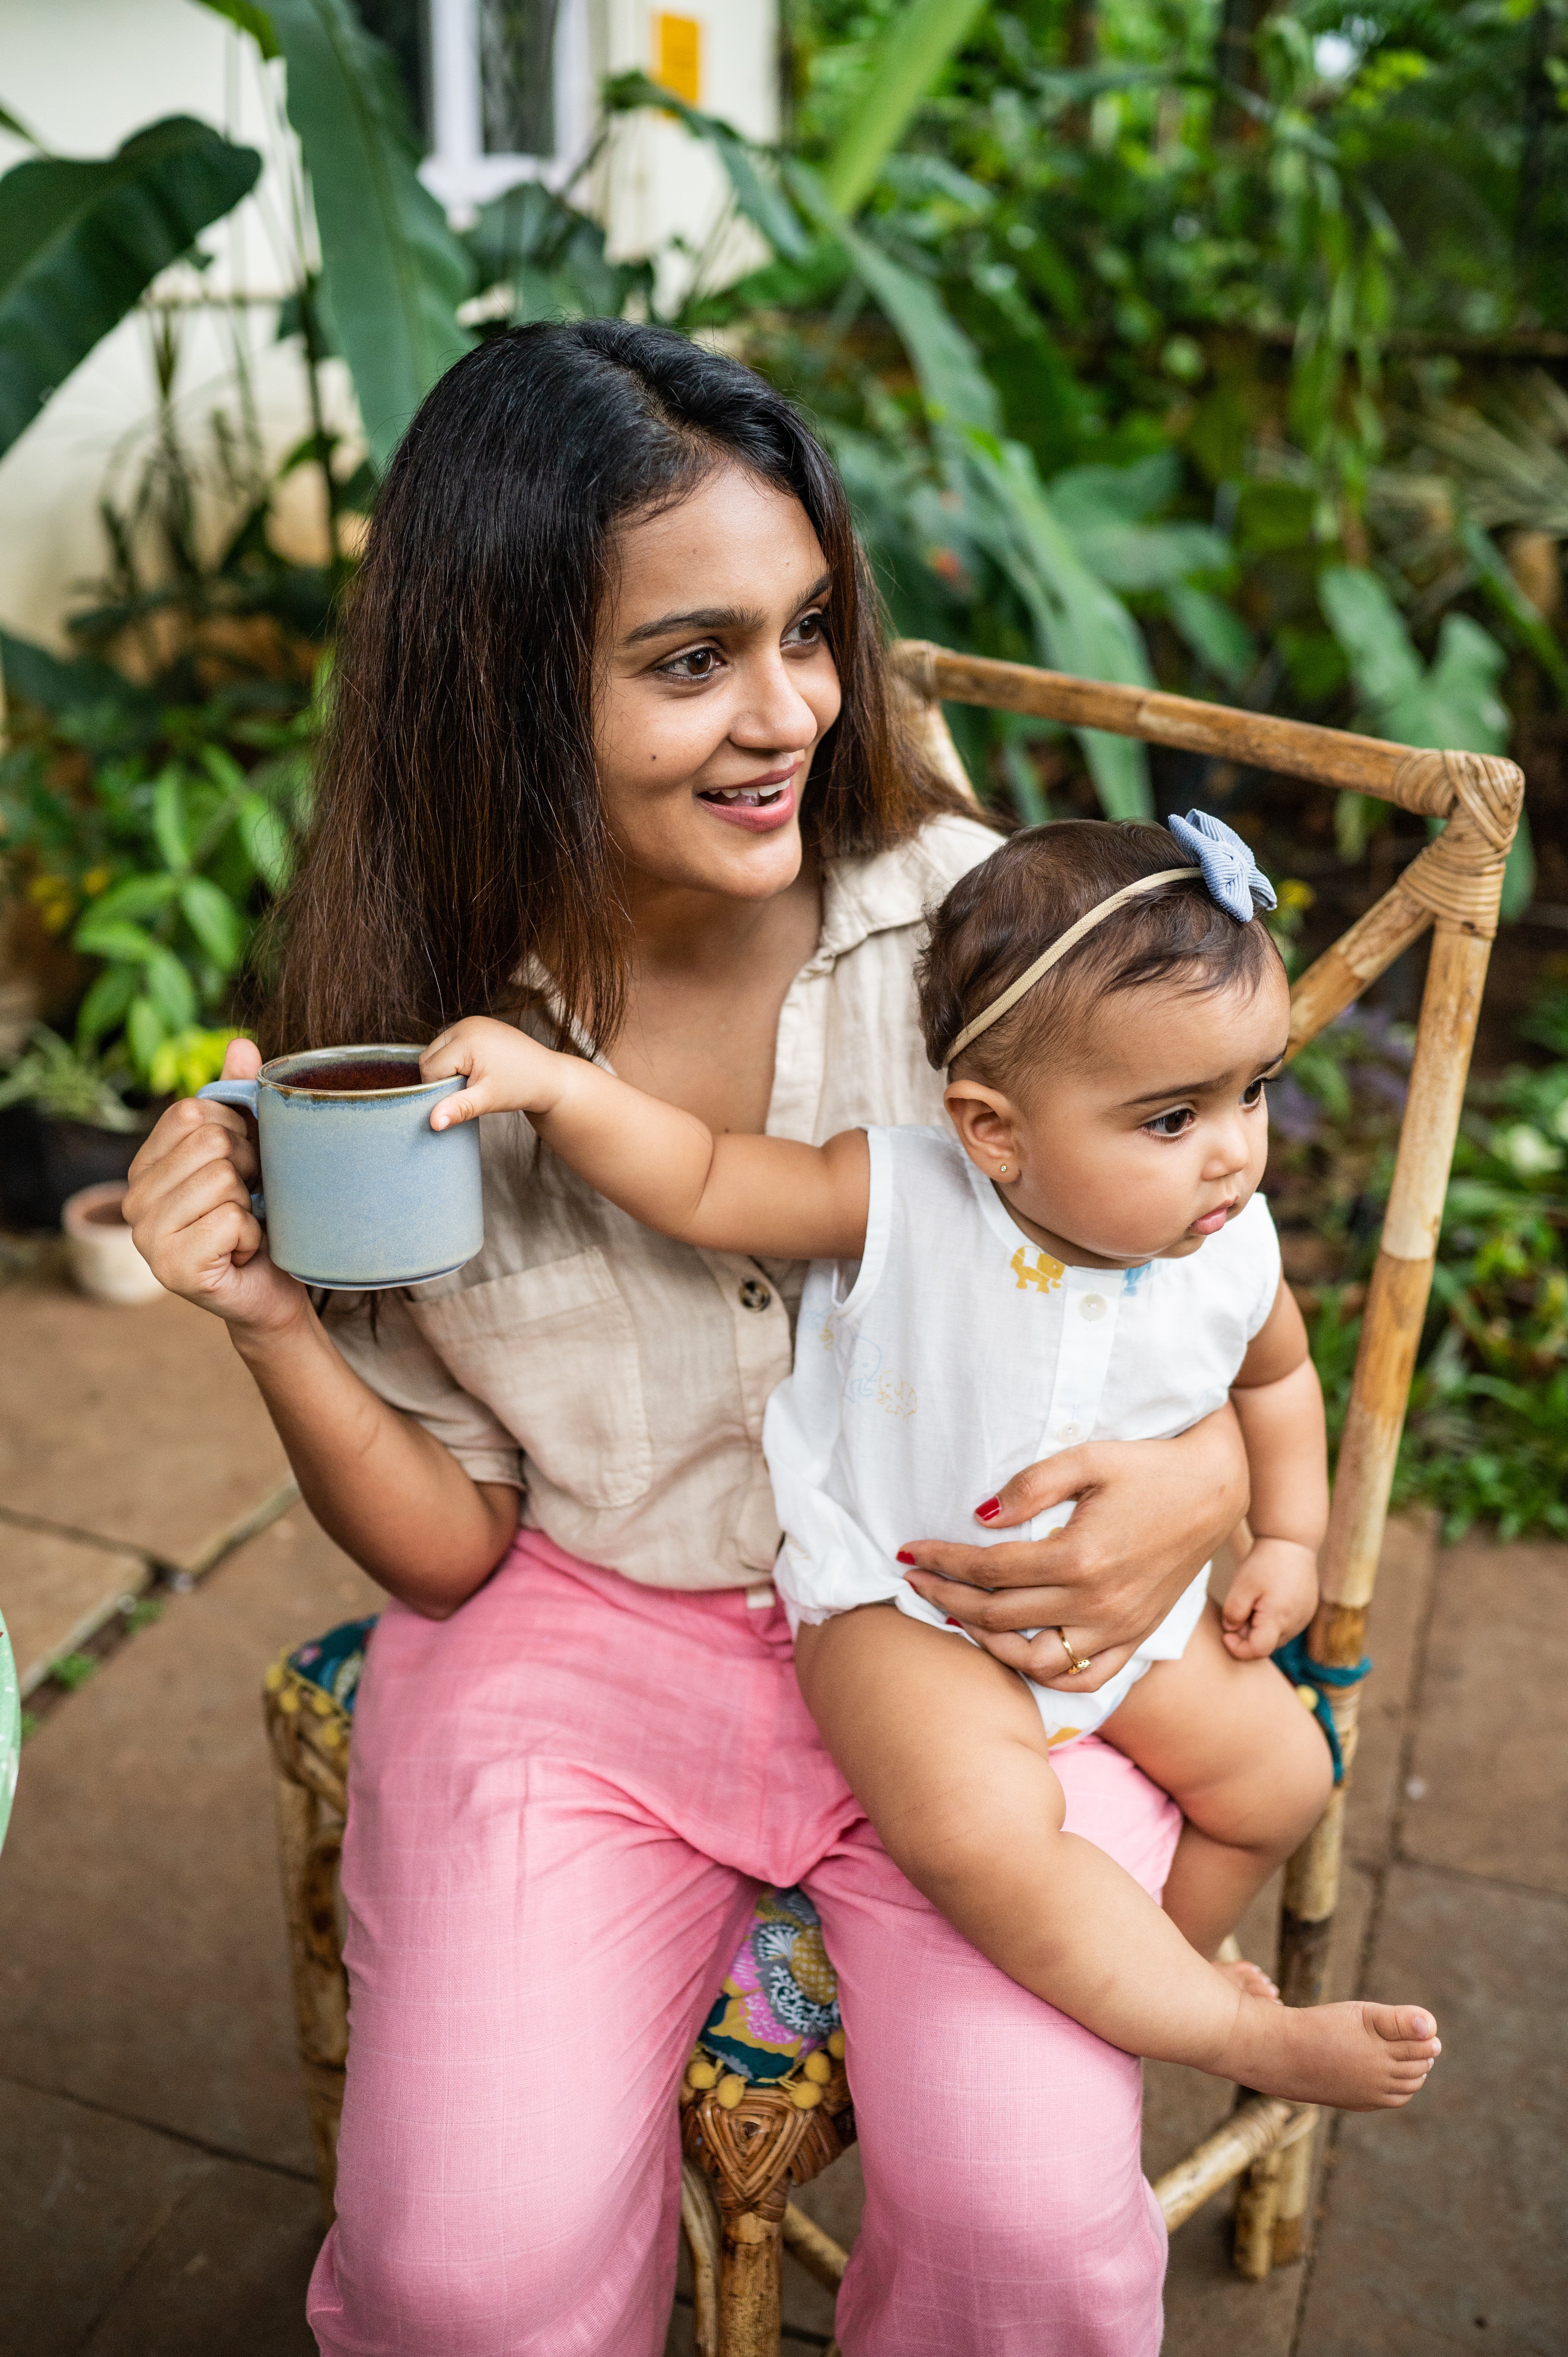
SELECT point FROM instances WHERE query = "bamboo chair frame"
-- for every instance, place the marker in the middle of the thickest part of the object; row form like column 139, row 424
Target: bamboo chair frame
column 740, row 2164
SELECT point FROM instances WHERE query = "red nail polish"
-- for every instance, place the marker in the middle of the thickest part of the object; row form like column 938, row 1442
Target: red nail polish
column 990, row 1510
column 904, row 1556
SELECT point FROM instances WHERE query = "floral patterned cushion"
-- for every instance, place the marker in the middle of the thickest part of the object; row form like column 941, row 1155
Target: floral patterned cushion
column 780, row 1999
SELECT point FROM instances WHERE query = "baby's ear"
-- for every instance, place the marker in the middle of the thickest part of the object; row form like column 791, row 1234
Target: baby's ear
column 986, row 1122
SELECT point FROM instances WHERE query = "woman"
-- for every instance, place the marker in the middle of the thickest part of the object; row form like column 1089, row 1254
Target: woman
column 614, row 751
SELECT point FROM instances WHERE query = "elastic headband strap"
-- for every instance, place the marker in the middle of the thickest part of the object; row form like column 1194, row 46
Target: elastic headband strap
column 1059, row 948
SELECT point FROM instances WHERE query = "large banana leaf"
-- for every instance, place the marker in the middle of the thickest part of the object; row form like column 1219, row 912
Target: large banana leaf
column 394, row 272
column 754, row 192
column 80, row 242
column 914, row 48
column 1079, row 625
column 1453, row 702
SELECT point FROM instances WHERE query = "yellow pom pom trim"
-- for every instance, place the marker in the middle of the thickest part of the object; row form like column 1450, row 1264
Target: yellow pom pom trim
column 835, row 2045
column 1307, row 1698
column 818, row 2068
column 701, row 2072
column 805, row 2095
column 730, row 2090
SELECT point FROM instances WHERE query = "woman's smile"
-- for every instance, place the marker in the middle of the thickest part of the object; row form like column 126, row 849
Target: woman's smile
column 760, row 805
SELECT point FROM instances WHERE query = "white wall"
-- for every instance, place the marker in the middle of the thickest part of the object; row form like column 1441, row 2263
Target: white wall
column 84, row 74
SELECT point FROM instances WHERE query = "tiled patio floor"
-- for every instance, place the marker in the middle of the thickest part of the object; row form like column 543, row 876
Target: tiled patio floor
column 155, row 2196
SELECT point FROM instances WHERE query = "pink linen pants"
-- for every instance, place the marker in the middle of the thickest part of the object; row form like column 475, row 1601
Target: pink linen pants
column 562, row 1802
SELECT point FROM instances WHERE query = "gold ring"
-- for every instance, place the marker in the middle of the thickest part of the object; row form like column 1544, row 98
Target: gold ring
column 1078, row 1662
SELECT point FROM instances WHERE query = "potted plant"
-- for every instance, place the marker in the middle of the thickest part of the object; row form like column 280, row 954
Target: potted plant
column 64, row 1125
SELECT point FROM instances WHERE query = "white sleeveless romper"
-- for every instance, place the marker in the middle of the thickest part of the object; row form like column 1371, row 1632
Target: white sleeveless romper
column 957, row 1354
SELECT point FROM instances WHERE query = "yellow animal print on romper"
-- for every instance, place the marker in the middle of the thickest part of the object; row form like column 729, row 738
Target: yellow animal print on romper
column 1047, row 1273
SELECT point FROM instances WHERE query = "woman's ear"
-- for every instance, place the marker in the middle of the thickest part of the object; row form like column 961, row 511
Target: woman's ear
column 987, row 1125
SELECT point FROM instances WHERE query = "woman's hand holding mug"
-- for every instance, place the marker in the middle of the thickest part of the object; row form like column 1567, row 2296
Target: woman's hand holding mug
column 1149, row 1514
column 189, row 1209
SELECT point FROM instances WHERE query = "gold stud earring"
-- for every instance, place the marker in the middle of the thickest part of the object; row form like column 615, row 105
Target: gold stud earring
column 1002, row 1170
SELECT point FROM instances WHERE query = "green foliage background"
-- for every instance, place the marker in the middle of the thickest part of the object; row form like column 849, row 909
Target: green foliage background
column 1196, row 341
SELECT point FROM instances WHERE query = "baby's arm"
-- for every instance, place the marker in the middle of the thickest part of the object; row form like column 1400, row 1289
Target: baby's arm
column 666, row 1167
column 1279, row 1403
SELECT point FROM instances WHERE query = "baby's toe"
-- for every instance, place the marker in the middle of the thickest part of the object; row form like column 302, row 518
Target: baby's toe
column 1409, row 2029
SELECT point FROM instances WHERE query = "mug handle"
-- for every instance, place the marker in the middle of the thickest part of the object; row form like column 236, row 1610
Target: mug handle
column 245, row 1095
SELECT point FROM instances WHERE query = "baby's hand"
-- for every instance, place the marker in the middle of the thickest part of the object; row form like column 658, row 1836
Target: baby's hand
column 507, row 1071
column 1272, row 1596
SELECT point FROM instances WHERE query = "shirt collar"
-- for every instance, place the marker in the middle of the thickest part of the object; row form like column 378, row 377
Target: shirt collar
column 879, row 891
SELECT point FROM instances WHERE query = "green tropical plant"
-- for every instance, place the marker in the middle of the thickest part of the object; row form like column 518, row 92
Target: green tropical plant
column 80, row 241
column 151, row 835
column 67, row 1084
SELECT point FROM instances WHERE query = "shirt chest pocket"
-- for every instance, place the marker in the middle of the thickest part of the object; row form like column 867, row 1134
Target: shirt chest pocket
column 552, row 1352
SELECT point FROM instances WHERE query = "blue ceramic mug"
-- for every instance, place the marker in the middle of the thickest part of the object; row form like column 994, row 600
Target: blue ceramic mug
column 359, row 1191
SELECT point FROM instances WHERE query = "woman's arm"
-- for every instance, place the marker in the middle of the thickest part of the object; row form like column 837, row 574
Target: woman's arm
column 731, row 1193
column 392, row 1496
column 1149, row 1515
column 1279, row 1401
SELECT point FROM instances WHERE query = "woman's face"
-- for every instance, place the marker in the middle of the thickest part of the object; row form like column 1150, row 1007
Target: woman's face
column 717, row 686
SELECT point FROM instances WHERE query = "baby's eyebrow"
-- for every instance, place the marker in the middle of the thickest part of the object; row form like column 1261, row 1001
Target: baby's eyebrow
column 1198, row 1088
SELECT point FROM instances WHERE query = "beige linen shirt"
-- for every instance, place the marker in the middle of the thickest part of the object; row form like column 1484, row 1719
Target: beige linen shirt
column 618, row 1378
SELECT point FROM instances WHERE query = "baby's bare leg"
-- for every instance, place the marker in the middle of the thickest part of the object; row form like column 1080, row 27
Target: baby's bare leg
column 945, row 1750
column 1246, row 1765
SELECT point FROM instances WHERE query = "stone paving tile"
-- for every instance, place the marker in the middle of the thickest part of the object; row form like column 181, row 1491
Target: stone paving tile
column 143, row 1959
column 1490, row 1751
column 1448, row 2223
column 55, row 1590
column 227, row 2275
column 138, row 1425
column 82, row 2199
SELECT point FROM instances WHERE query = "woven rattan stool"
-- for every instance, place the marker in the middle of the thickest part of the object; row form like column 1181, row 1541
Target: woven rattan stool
column 764, row 2101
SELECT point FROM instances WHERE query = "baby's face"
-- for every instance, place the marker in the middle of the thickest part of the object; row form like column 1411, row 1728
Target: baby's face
column 1155, row 1135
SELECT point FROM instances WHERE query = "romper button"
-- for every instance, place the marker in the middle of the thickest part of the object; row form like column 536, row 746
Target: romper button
column 1070, row 1431
column 1092, row 1305
column 753, row 1295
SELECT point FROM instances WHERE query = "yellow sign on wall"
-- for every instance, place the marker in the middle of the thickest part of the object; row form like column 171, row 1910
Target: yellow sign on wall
column 677, row 57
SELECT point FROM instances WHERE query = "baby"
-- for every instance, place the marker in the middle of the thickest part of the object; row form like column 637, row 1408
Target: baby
column 1084, row 1254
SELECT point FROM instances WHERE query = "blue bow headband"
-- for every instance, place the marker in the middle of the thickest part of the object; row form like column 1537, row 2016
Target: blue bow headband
column 1230, row 876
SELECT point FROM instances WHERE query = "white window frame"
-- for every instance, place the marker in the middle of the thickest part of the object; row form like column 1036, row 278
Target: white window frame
column 458, row 169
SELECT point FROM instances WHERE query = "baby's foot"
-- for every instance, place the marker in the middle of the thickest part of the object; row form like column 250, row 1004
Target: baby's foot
column 1250, row 1979
column 1360, row 2057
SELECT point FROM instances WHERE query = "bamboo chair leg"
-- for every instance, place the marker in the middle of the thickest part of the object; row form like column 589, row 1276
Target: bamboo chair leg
column 1288, row 2241
column 751, row 2291
column 700, row 2224
column 1396, row 1305
column 1273, row 2184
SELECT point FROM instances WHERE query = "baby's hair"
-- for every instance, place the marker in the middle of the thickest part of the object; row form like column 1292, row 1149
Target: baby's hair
column 1000, row 917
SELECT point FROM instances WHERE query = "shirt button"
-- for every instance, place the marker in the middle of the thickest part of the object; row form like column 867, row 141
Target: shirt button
column 1070, row 1431
column 755, row 1296
column 1091, row 1305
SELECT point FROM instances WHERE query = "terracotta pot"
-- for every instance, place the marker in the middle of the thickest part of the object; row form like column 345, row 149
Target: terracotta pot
column 103, row 1258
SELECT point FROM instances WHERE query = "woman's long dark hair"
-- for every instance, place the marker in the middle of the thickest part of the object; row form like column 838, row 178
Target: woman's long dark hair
column 458, row 835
